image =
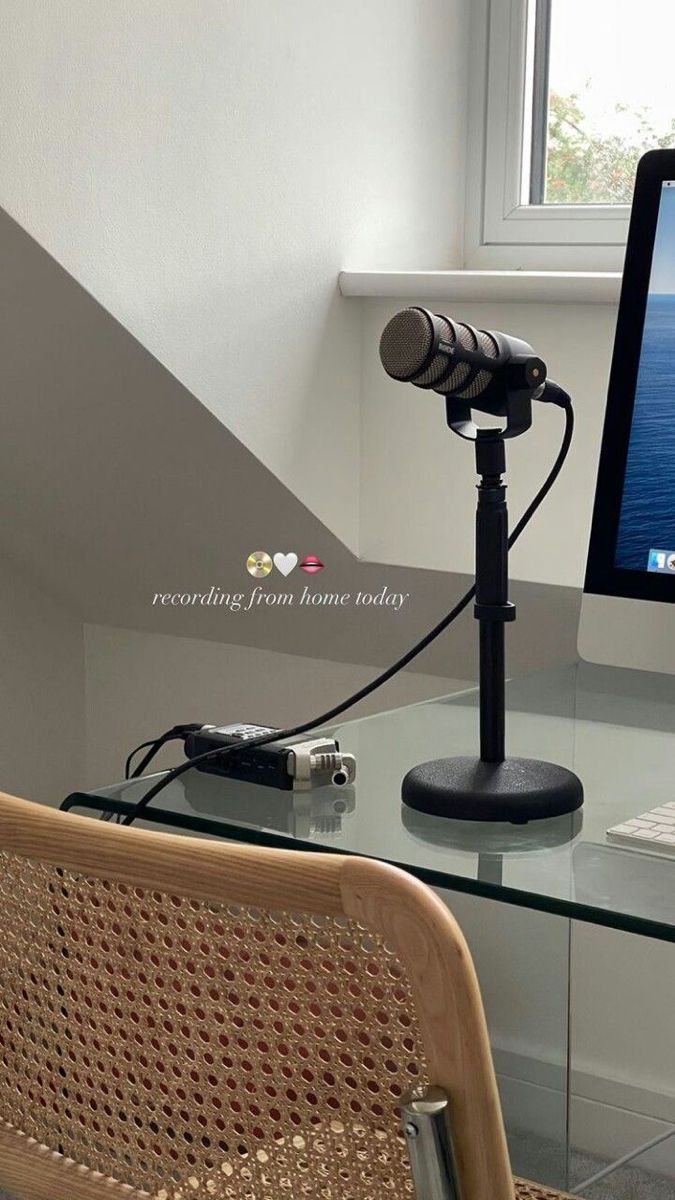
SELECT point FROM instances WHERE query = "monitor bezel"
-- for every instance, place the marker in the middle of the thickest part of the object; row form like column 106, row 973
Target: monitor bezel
column 603, row 577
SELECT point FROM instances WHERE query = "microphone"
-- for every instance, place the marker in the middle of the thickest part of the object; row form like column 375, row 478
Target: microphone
column 478, row 366
column 499, row 375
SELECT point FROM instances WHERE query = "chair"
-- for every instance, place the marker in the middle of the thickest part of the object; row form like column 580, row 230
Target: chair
column 183, row 1018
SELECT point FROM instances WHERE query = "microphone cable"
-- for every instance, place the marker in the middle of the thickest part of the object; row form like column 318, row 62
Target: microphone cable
column 556, row 396
column 178, row 732
column 153, row 747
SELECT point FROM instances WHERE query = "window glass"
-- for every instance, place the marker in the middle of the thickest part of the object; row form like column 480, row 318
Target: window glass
column 603, row 87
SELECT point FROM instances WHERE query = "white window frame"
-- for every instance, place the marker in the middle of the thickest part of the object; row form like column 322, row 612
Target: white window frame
column 500, row 231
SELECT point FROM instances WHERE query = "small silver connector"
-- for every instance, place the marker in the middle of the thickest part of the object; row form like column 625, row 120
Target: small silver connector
column 319, row 762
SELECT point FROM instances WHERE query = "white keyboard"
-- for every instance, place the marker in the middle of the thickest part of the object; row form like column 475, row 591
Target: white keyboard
column 653, row 831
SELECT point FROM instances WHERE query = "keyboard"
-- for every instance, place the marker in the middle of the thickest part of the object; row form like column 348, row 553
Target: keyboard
column 653, row 831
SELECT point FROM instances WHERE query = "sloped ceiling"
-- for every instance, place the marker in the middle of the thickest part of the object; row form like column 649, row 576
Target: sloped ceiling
column 206, row 169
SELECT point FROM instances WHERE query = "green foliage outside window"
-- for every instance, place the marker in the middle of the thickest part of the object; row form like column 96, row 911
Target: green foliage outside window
column 584, row 167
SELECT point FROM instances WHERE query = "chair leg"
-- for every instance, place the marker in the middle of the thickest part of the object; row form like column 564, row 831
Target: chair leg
column 425, row 1117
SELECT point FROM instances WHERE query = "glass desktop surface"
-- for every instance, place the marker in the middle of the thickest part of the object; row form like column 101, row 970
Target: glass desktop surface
column 614, row 728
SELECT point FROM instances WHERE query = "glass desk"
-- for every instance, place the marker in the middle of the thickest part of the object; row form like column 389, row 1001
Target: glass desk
column 615, row 728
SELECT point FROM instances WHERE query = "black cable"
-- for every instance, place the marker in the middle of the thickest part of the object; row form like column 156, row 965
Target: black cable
column 171, row 735
column 130, row 757
column 155, row 748
column 558, row 397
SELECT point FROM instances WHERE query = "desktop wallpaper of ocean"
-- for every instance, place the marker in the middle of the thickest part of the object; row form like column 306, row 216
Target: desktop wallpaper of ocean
column 647, row 519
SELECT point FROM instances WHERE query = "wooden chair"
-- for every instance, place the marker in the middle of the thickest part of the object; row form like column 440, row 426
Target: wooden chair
column 182, row 1018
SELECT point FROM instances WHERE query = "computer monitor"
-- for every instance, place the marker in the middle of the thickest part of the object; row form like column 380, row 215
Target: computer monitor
column 628, row 607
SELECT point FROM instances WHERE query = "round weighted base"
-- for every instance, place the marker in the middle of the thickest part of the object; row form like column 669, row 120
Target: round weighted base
column 517, row 790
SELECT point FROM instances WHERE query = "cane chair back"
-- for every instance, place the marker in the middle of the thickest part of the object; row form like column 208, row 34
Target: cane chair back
column 182, row 1018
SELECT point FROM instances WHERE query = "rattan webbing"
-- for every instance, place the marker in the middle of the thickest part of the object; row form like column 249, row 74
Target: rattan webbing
column 196, row 1050
column 537, row 1191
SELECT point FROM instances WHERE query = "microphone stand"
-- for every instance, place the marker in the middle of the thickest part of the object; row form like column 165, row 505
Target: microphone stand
column 492, row 787
column 492, row 608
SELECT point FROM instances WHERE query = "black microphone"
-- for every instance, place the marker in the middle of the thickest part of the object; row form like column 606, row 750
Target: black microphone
column 499, row 375
column 478, row 366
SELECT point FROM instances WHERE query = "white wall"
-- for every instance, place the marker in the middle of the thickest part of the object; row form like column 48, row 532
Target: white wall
column 418, row 497
column 622, row 1054
column 41, row 689
column 206, row 167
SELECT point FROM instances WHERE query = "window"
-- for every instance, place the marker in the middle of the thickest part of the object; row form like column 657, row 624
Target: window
column 566, row 96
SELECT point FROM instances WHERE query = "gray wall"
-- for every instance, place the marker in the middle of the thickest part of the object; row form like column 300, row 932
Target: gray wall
column 116, row 483
column 41, row 689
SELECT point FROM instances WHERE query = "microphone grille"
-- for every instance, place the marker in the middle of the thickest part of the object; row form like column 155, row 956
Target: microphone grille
column 470, row 339
column 439, row 362
column 406, row 342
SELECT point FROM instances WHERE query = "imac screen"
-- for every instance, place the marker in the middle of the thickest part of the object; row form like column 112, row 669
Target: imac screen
column 646, row 534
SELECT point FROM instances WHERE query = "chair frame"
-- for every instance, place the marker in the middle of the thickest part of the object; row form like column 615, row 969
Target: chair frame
column 427, row 1128
column 415, row 923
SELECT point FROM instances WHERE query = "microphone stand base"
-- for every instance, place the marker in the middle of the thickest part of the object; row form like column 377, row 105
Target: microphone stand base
column 516, row 790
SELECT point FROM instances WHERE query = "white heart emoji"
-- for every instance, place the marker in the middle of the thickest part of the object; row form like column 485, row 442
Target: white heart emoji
column 285, row 562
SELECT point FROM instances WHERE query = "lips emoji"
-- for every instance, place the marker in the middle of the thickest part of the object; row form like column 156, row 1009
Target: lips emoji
column 311, row 564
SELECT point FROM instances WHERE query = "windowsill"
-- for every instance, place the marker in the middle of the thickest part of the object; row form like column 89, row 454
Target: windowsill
column 555, row 287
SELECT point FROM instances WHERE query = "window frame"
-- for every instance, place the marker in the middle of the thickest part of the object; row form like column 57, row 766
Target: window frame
column 500, row 231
